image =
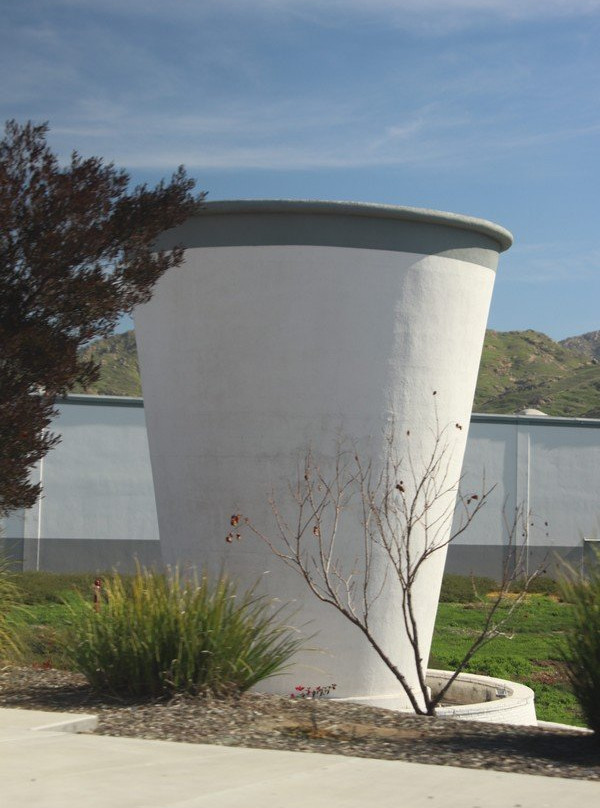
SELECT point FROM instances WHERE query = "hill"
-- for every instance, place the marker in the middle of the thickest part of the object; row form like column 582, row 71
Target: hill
column 119, row 371
column 522, row 369
column 518, row 369
column 586, row 344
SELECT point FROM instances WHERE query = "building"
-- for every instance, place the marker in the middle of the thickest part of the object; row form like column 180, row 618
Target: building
column 98, row 510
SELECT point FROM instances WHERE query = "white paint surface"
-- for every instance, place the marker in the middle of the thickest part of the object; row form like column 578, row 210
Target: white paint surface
column 101, row 480
column 249, row 355
column 472, row 697
column 97, row 482
column 548, row 466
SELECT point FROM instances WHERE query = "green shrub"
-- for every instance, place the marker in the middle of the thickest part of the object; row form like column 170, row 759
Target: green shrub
column 542, row 585
column 581, row 649
column 166, row 635
column 464, row 588
column 10, row 644
column 53, row 587
column 468, row 589
column 44, row 629
column 508, row 668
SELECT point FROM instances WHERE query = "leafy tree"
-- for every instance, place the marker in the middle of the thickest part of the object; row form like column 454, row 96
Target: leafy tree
column 76, row 252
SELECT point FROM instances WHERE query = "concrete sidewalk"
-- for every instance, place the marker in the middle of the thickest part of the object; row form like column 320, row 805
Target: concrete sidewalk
column 43, row 763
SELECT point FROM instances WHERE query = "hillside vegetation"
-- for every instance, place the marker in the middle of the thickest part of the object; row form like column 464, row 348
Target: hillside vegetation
column 119, row 370
column 519, row 369
column 522, row 369
column 586, row 344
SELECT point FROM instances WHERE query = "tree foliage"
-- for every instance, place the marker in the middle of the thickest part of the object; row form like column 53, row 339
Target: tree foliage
column 76, row 252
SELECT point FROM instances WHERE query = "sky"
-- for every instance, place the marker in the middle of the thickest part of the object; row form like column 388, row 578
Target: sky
column 484, row 107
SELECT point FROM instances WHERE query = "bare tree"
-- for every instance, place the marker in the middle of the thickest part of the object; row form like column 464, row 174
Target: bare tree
column 406, row 505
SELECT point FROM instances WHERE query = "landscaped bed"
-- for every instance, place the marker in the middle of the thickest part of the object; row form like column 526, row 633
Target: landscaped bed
column 313, row 725
column 528, row 652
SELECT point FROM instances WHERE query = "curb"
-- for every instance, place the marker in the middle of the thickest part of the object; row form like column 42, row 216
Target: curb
column 82, row 723
column 569, row 727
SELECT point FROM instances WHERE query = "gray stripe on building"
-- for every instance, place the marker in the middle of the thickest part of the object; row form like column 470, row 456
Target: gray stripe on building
column 341, row 224
column 101, row 401
column 85, row 555
column 491, row 559
column 102, row 555
column 535, row 420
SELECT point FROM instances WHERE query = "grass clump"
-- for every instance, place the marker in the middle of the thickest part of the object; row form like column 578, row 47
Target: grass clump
column 160, row 635
column 465, row 589
column 581, row 649
column 52, row 587
column 10, row 629
column 528, row 650
column 472, row 588
column 542, row 585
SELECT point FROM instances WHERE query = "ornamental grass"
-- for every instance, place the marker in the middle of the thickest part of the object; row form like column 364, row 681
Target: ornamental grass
column 581, row 653
column 11, row 645
column 155, row 635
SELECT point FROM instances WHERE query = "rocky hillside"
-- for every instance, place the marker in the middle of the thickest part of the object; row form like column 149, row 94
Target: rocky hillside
column 119, row 371
column 587, row 344
column 518, row 369
column 527, row 369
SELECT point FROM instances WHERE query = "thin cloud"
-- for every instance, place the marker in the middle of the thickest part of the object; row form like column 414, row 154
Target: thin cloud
column 550, row 262
column 282, row 136
column 220, row 104
column 425, row 17
column 300, row 136
column 517, row 9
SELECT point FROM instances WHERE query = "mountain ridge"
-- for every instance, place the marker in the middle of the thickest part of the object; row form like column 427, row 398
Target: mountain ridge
column 518, row 370
column 587, row 344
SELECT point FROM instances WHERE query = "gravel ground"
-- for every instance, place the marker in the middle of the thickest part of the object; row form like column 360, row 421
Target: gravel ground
column 319, row 725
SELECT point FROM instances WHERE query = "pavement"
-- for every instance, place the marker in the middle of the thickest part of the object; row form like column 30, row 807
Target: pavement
column 45, row 763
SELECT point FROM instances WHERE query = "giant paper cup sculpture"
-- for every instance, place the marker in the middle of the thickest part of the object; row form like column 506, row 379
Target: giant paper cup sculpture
column 291, row 327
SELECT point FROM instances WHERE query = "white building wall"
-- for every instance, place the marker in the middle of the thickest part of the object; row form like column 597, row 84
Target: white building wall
column 289, row 324
column 98, row 508
column 564, row 467
column 549, row 468
column 250, row 356
column 119, row 496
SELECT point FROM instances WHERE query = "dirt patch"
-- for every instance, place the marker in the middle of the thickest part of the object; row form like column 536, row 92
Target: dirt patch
column 552, row 673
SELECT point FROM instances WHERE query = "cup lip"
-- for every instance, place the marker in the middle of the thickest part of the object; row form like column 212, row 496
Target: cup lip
column 499, row 234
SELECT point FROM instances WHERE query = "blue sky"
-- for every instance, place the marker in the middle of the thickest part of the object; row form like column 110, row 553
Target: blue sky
column 484, row 107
